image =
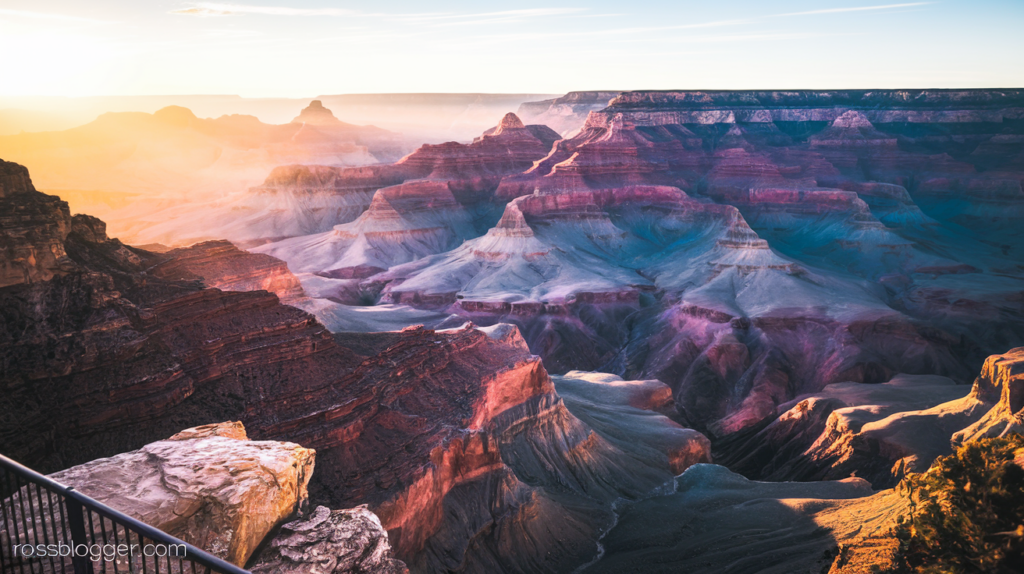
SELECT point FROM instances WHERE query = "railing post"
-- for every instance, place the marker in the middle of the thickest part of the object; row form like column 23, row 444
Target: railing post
column 77, row 523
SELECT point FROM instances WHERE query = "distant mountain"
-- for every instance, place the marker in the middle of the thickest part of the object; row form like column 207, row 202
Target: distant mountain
column 430, row 118
column 298, row 200
column 172, row 151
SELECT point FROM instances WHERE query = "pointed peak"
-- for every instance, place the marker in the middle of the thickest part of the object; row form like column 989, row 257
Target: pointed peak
column 510, row 121
column 315, row 113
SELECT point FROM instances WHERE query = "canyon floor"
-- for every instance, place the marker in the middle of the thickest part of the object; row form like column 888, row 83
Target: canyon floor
column 615, row 332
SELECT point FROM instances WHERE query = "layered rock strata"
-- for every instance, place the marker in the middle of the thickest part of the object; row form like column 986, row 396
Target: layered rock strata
column 221, row 265
column 878, row 432
column 503, row 477
column 749, row 247
column 1001, row 382
column 565, row 114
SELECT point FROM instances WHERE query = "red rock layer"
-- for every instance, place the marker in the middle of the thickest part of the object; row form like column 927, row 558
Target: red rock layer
column 221, row 265
column 32, row 230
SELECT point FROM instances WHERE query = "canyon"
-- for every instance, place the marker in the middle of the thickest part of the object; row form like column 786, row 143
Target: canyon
column 668, row 330
column 705, row 239
column 110, row 348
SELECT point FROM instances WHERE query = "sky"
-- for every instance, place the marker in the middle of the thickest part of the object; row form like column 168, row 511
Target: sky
column 278, row 48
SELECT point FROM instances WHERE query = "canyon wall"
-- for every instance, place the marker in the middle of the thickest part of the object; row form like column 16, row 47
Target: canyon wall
column 745, row 248
column 457, row 439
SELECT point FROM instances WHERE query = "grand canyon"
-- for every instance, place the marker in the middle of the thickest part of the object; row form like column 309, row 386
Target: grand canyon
column 689, row 331
column 713, row 288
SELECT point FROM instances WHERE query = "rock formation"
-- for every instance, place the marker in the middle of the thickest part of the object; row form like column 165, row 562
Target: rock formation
column 567, row 113
column 457, row 439
column 32, row 230
column 209, row 486
column 714, row 521
column 707, row 239
column 403, row 223
column 316, row 114
column 221, row 265
column 878, row 432
column 1001, row 382
column 330, row 542
column 297, row 200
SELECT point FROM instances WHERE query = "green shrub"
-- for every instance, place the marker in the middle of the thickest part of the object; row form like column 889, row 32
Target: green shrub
column 967, row 512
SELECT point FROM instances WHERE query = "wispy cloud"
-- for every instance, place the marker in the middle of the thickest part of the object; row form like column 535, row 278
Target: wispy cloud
column 854, row 9
column 524, row 13
column 434, row 18
column 218, row 9
column 48, row 16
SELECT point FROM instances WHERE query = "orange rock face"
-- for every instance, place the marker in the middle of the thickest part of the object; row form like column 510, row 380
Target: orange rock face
column 33, row 227
column 221, row 265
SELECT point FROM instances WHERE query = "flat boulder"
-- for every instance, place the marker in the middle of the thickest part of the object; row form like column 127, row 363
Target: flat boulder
column 210, row 486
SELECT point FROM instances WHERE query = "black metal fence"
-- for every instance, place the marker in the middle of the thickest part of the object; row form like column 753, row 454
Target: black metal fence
column 46, row 527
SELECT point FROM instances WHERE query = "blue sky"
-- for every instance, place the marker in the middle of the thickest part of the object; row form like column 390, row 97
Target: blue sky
column 265, row 48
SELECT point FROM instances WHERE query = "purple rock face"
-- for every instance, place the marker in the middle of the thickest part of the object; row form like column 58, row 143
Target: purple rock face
column 743, row 247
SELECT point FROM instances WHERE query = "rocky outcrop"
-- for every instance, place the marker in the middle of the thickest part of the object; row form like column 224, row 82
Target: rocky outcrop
column 330, row 542
column 33, row 227
column 1001, row 382
column 221, row 265
column 14, row 179
column 210, row 486
column 879, row 432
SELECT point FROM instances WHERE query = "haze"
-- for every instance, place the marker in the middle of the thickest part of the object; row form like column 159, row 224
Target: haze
column 301, row 49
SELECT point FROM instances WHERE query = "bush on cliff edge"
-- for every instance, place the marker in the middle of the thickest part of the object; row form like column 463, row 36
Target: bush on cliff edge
column 967, row 511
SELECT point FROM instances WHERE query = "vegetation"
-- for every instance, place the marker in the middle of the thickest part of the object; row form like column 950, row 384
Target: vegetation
column 967, row 512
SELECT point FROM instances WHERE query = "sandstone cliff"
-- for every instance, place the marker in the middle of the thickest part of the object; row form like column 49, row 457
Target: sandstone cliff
column 1001, row 382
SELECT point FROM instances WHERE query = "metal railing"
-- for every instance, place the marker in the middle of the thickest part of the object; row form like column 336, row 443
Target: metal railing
column 46, row 527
